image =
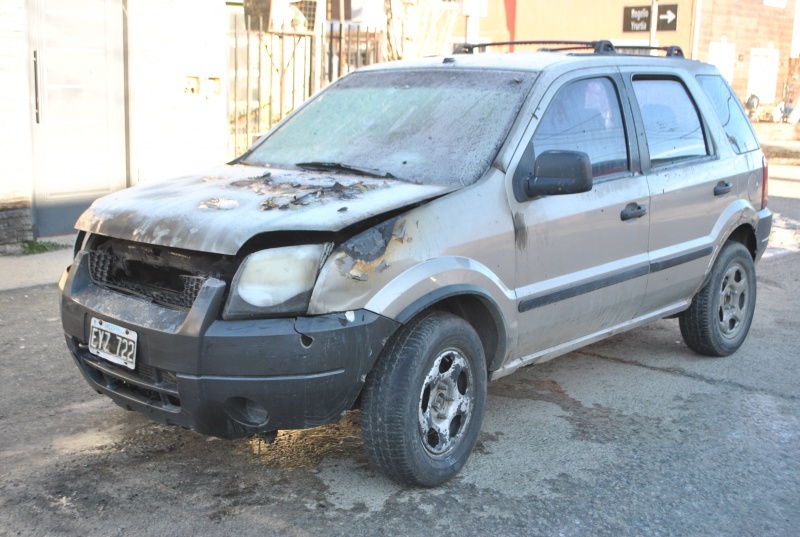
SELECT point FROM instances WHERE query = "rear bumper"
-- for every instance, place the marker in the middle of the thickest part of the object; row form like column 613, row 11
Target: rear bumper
column 763, row 229
column 229, row 379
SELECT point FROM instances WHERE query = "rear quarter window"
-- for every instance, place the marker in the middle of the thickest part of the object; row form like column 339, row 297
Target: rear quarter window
column 730, row 113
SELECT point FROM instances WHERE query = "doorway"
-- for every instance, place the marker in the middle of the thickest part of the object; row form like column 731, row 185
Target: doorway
column 77, row 65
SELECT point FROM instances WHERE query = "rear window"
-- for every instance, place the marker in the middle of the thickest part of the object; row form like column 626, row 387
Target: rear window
column 730, row 113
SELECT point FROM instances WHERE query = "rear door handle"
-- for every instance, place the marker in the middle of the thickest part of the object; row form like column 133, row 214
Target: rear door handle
column 722, row 188
column 633, row 210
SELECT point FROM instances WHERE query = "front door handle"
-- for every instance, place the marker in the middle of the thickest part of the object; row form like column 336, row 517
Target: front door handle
column 633, row 210
column 722, row 188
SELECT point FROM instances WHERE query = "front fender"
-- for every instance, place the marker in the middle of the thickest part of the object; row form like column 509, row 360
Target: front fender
column 429, row 282
column 462, row 283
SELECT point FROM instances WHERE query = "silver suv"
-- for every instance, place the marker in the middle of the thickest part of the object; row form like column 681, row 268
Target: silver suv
column 417, row 229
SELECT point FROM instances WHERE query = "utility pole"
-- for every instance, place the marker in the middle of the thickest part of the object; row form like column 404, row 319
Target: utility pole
column 472, row 29
column 473, row 10
column 653, row 23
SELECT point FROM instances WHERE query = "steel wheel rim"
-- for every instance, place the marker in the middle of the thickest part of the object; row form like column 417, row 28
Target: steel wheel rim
column 733, row 300
column 445, row 402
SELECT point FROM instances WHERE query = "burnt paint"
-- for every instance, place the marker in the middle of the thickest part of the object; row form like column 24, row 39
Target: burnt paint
column 169, row 213
column 365, row 253
column 283, row 196
column 371, row 244
column 520, row 231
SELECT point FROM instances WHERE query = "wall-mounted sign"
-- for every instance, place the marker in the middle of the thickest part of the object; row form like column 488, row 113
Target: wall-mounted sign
column 667, row 18
column 637, row 18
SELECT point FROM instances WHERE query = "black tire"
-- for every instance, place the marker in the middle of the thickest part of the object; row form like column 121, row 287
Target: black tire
column 424, row 400
column 717, row 322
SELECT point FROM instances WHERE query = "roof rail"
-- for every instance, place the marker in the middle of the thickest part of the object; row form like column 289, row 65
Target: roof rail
column 672, row 51
column 603, row 46
column 598, row 47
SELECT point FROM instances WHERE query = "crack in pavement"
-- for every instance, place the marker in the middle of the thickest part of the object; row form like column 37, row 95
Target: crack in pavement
column 694, row 376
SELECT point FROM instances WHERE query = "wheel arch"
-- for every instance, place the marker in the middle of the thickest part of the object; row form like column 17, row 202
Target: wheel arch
column 742, row 232
column 476, row 307
column 746, row 235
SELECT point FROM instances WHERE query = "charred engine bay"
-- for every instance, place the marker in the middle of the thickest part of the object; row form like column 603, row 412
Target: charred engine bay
column 167, row 276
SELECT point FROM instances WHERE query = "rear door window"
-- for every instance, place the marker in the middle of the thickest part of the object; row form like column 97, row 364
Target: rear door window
column 671, row 122
column 730, row 113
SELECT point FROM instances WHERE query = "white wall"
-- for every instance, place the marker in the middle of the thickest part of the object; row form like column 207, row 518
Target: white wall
column 175, row 47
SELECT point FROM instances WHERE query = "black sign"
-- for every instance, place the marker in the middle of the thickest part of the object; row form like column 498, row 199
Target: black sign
column 636, row 19
column 667, row 18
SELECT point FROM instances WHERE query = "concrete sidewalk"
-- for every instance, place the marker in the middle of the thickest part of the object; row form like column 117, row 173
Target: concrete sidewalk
column 784, row 173
column 20, row 271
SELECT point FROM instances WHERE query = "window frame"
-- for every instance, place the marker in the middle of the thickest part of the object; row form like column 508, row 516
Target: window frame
column 626, row 136
column 519, row 168
column 712, row 152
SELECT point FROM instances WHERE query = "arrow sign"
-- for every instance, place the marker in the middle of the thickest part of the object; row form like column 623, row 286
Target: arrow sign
column 667, row 18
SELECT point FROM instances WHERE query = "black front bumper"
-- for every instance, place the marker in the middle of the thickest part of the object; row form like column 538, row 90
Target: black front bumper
column 229, row 379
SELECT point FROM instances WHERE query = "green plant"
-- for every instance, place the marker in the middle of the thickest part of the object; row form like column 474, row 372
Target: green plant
column 40, row 247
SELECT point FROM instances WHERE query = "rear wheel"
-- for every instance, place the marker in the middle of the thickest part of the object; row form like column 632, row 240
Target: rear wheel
column 424, row 400
column 717, row 322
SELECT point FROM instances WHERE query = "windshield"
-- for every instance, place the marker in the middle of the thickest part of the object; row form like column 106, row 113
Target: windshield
column 434, row 127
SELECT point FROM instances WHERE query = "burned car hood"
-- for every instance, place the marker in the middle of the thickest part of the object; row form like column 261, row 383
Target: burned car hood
column 220, row 210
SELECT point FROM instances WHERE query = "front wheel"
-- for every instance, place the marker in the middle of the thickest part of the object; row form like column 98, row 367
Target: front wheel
column 424, row 400
column 717, row 322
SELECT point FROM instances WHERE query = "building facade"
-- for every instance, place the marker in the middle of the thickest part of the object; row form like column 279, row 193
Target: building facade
column 750, row 41
column 99, row 95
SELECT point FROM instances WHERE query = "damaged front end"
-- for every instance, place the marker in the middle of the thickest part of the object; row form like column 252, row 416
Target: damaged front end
column 169, row 277
column 223, row 343
column 234, row 302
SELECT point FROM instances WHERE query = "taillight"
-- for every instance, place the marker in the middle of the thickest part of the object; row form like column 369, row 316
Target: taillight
column 764, row 182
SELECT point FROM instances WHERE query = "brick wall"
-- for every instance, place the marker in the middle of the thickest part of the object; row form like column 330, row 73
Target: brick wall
column 16, row 168
column 749, row 24
column 15, row 225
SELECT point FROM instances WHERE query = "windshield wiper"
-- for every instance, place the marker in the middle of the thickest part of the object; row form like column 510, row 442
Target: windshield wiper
column 339, row 167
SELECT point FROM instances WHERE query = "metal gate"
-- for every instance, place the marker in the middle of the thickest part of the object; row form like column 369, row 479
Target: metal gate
column 271, row 73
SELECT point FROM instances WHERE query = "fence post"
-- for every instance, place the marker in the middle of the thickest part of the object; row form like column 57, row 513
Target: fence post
column 260, row 71
column 330, row 56
column 236, row 84
column 248, row 25
column 341, row 50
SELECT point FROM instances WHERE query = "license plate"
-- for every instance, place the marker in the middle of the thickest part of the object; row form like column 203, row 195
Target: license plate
column 113, row 343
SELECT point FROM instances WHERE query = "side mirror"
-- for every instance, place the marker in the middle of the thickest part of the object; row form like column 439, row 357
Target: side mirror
column 559, row 172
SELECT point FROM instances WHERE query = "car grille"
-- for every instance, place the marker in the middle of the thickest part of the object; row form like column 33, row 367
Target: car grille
column 101, row 271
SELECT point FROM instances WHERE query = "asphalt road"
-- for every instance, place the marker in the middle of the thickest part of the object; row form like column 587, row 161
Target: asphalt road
column 632, row 436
